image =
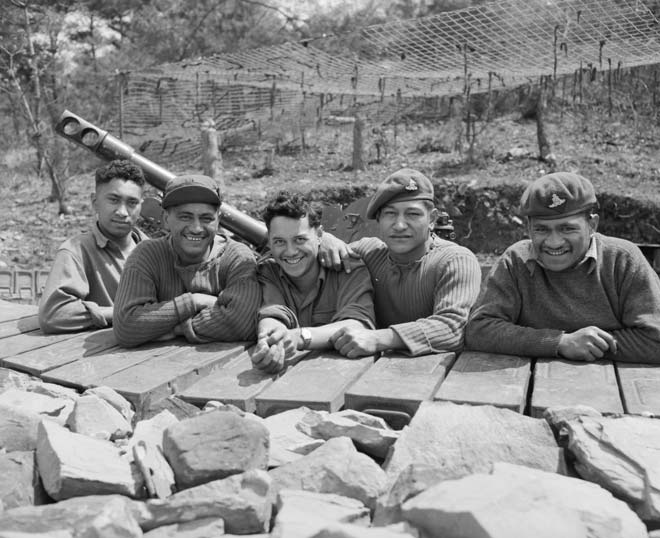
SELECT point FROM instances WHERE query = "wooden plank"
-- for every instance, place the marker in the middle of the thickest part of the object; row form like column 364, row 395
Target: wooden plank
column 236, row 383
column 89, row 371
column 21, row 343
column 640, row 388
column 398, row 384
column 39, row 361
column 19, row 326
column 566, row 383
column 160, row 377
column 318, row 382
column 488, row 379
column 10, row 311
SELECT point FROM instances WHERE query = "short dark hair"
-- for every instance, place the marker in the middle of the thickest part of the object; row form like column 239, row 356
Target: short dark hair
column 120, row 169
column 293, row 206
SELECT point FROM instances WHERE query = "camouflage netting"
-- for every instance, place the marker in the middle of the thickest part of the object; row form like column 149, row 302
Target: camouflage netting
column 382, row 72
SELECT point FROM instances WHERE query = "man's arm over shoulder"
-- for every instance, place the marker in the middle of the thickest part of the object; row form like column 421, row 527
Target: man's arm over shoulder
column 139, row 316
column 493, row 324
column 455, row 292
column 234, row 316
column 639, row 340
column 63, row 307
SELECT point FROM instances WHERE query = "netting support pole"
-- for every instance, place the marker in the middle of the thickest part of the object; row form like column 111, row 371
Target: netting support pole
column 358, row 145
column 211, row 156
column 120, row 94
column 545, row 152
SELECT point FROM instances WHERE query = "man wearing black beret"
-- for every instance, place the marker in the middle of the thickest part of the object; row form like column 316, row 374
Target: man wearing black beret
column 568, row 291
column 424, row 286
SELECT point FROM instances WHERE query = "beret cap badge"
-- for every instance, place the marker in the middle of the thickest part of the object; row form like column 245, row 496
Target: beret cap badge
column 556, row 201
column 412, row 186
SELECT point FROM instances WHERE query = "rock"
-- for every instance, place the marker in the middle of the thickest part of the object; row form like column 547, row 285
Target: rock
column 18, row 428
column 11, row 379
column 370, row 434
column 97, row 516
column 214, row 445
column 411, row 481
column 302, row 514
column 558, row 417
column 19, row 480
column 243, row 501
column 200, row 528
column 466, row 439
column 53, row 390
column 115, row 399
column 287, row 443
column 519, row 502
column 347, row 530
column 623, row 456
column 174, row 405
column 336, row 467
column 152, row 430
column 73, row 465
column 96, row 418
column 56, row 409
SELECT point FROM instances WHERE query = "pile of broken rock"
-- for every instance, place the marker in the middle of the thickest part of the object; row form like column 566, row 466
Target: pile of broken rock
column 82, row 466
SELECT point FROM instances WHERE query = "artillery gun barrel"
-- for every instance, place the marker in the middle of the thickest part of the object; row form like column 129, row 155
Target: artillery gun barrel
column 108, row 147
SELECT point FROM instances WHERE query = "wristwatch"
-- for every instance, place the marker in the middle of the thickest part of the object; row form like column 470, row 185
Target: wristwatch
column 305, row 339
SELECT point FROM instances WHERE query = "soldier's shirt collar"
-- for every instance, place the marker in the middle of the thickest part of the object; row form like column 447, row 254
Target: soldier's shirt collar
column 590, row 257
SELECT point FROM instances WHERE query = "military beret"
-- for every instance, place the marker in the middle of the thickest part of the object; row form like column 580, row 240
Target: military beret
column 191, row 189
column 401, row 186
column 557, row 195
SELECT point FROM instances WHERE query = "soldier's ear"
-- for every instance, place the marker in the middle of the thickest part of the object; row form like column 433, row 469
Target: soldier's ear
column 593, row 221
column 319, row 231
column 92, row 199
column 433, row 217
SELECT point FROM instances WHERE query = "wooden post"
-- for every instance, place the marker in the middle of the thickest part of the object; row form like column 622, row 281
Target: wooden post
column 545, row 152
column 358, row 145
column 211, row 156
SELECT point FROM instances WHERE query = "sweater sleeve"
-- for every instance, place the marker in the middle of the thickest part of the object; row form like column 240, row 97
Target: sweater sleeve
column 493, row 324
column 63, row 307
column 639, row 340
column 139, row 317
column 273, row 301
column 234, row 315
column 355, row 297
column 454, row 294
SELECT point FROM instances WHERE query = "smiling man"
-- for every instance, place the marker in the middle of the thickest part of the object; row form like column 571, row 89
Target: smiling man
column 424, row 286
column 81, row 286
column 193, row 282
column 568, row 291
column 304, row 305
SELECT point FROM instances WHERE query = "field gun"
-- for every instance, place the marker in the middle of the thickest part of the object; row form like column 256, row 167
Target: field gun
column 108, row 147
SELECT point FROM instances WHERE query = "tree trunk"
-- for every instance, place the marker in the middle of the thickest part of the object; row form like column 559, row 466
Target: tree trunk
column 358, row 143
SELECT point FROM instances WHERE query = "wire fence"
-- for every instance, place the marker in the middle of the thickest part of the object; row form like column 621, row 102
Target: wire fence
column 388, row 72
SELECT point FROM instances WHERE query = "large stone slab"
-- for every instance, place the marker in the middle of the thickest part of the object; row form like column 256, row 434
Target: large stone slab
column 236, row 383
column 96, row 418
column 335, row 467
column 640, row 388
column 287, row 442
column 302, row 514
column 115, row 399
column 244, row 501
column 622, row 455
column 56, row 354
column 215, row 445
column 370, row 434
column 397, row 385
column 209, row 527
column 74, row 465
column 318, row 382
column 19, row 480
column 519, row 502
column 18, row 428
column 569, row 383
column 468, row 439
column 106, row 516
column 349, row 530
column 488, row 379
column 55, row 409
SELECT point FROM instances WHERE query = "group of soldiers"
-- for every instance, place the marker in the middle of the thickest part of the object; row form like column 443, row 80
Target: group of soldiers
column 566, row 292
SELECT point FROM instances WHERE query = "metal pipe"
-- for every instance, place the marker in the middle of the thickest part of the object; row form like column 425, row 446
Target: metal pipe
column 108, row 147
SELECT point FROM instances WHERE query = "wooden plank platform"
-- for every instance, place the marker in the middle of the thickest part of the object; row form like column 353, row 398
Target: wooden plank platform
column 488, row 378
column 640, row 388
column 19, row 326
column 394, row 387
column 318, row 382
column 10, row 311
column 566, row 383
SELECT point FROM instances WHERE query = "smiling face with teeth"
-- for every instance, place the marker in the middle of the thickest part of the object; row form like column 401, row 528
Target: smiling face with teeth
column 294, row 245
column 560, row 243
column 192, row 228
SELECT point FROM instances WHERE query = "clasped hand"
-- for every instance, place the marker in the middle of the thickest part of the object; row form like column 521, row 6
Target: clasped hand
column 273, row 346
column 586, row 344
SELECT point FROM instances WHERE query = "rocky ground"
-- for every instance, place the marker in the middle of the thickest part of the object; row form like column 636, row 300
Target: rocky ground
column 84, row 465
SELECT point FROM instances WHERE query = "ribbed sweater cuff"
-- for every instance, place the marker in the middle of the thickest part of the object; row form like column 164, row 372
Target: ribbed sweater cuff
column 547, row 345
column 185, row 307
column 413, row 338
